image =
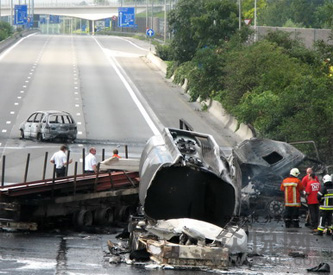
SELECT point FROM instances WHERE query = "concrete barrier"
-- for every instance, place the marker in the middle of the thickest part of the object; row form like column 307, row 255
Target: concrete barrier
column 5, row 44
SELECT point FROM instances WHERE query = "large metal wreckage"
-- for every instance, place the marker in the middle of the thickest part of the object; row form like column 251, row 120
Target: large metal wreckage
column 190, row 198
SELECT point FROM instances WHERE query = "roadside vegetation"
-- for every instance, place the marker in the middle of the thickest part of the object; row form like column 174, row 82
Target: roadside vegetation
column 276, row 85
column 6, row 30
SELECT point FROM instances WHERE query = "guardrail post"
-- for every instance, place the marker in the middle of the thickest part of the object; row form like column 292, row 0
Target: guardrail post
column 26, row 168
column 83, row 159
column 68, row 155
column 45, row 165
column 126, row 151
column 53, row 178
column 96, row 179
column 75, row 173
column 3, row 170
column 103, row 154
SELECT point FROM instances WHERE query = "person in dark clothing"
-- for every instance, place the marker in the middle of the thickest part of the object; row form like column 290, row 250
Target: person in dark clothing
column 325, row 197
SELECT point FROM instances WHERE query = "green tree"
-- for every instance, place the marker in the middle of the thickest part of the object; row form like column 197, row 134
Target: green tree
column 183, row 43
column 324, row 15
column 217, row 24
column 248, row 9
column 201, row 23
column 6, row 30
column 300, row 12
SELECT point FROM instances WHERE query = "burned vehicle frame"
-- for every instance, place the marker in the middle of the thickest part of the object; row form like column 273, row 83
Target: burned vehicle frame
column 189, row 196
column 264, row 163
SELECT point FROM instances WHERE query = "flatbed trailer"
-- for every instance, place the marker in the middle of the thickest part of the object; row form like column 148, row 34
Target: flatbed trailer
column 87, row 199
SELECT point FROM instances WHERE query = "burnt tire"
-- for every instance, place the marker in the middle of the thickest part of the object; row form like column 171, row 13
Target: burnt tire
column 104, row 216
column 83, row 218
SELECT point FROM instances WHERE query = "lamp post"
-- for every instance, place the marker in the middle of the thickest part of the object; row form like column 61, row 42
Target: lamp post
column 255, row 20
column 240, row 14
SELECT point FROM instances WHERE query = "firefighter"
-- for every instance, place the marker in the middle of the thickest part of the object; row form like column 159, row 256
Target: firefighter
column 292, row 188
column 325, row 197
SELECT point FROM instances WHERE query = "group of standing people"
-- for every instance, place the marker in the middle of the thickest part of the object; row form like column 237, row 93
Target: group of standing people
column 319, row 198
column 61, row 162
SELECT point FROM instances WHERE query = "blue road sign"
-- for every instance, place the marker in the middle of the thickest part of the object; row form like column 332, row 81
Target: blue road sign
column 126, row 17
column 150, row 32
column 21, row 14
column 107, row 23
column 54, row 19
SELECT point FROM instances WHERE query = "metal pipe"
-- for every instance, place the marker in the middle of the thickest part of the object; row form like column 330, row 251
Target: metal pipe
column 68, row 154
column 75, row 173
column 26, row 168
column 3, row 170
column 53, row 178
column 45, row 165
column 165, row 20
column 83, row 159
column 96, row 179
column 240, row 14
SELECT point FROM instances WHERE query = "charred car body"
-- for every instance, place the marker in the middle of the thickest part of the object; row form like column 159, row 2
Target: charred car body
column 189, row 197
column 264, row 163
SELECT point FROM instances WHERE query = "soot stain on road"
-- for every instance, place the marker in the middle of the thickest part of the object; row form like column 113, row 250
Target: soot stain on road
column 61, row 257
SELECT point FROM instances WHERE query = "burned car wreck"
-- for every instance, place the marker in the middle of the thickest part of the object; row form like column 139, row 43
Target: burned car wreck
column 189, row 197
column 264, row 163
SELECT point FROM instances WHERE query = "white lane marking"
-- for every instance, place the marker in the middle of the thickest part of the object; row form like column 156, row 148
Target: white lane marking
column 16, row 103
column 78, row 114
column 79, row 123
column 4, row 53
column 12, row 112
column 8, row 122
column 22, row 92
column 19, row 97
column 144, row 113
column 4, row 130
column 132, row 44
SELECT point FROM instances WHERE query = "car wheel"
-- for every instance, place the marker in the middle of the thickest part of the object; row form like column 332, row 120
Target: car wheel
column 39, row 137
column 275, row 207
column 21, row 134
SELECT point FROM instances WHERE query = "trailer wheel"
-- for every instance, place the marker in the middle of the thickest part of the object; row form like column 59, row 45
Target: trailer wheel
column 124, row 213
column 104, row 216
column 21, row 134
column 84, row 218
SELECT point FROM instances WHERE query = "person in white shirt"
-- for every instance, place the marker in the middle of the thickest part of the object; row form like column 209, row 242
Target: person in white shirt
column 90, row 162
column 60, row 160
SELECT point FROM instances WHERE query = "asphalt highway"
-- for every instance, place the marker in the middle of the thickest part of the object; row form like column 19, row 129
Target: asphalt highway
column 113, row 91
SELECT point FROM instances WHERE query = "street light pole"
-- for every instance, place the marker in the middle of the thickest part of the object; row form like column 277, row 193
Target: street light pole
column 240, row 14
column 255, row 20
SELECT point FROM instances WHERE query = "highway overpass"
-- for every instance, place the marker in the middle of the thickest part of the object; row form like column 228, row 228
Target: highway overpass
column 83, row 12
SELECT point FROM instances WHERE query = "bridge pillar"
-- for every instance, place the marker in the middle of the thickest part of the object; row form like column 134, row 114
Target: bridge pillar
column 92, row 27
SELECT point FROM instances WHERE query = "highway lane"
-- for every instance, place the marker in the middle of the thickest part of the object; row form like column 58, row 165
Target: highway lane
column 115, row 94
column 71, row 74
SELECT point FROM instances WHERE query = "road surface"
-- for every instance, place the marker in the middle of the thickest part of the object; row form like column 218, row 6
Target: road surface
column 115, row 94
